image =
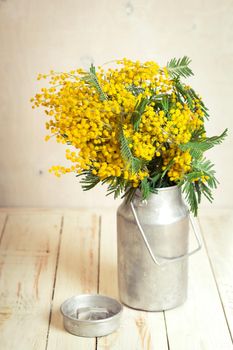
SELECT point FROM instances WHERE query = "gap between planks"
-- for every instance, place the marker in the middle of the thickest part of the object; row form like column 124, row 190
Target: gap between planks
column 28, row 251
column 196, row 318
column 98, row 273
column 77, row 273
column 54, row 281
column 55, row 276
column 215, row 280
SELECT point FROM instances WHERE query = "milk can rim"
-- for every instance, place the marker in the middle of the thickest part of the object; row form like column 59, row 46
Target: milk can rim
column 162, row 189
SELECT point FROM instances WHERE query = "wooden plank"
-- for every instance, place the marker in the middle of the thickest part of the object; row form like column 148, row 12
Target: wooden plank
column 77, row 273
column 28, row 256
column 217, row 227
column 199, row 324
column 138, row 330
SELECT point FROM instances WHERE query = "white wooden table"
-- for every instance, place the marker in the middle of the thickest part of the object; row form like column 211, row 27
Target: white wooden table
column 46, row 256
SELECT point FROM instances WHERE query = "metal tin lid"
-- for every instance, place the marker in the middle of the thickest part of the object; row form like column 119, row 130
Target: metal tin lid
column 90, row 315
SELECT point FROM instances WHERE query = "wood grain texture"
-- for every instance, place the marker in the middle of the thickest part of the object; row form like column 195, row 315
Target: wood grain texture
column 200, row 323
column 28, row 255
column 138, row 329
column 217, row 228
column 36, row 255
column 77, row 273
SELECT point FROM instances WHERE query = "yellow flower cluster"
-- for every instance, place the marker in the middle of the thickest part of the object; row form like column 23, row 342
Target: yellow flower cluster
column 88, row 121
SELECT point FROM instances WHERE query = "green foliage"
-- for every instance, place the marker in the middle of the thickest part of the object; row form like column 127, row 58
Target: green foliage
column 194, row 95
column 135, row 90
column 198, row 133
column 154, row 180
column 116, row 185
column 91, row 79
column 162, row 102
column 157, row 179
column 201, row 180
column 185, row 93
column 139, row 109
column 129, row 193
column 165, row 103
column 89, row 180
column 191, row 196
column 145, row 188
column 134, row 164
column 205, row 166
column 179, row 67
column 198, row 147
column 188, row 95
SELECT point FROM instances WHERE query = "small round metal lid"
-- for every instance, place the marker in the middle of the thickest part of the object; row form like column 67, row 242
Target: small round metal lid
column 90, row 315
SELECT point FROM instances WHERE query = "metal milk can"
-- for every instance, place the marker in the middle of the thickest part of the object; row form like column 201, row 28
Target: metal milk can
column 152, row 238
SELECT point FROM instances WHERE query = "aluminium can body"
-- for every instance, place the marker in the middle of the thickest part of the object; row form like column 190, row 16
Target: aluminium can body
column 165, row 220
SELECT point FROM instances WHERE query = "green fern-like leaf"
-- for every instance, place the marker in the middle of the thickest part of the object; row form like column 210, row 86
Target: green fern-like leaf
column 124, row 146
column 207, row 169
column 89, row 180
column 198, row 190
column 194, row 95
column 168, row 167
column 138, row 112
column 129, row 194
column 197, row 148
column 135, row 90
column 91, row 79
column 165, row 103
column 189, row 96
column 134, row 164
column 203, row 165
column 191, row 196
column 201, row 180
column 206, row 191
column 155, row 180
column 145, row 188
column 198, row 133
column 185, row 93
column 179, row 67
column 116, row 185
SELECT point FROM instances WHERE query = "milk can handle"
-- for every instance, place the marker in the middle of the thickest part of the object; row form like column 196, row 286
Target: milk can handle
column 176, row 258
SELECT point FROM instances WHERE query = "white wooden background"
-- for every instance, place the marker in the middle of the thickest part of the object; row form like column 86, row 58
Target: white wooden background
column 38, row 35
column 46, row 256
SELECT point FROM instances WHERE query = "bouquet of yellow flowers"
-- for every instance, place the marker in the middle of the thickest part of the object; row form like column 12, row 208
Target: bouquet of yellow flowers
column 136, row 126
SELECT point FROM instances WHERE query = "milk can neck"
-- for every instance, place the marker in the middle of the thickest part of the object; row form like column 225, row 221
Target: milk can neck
column 169, row 195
